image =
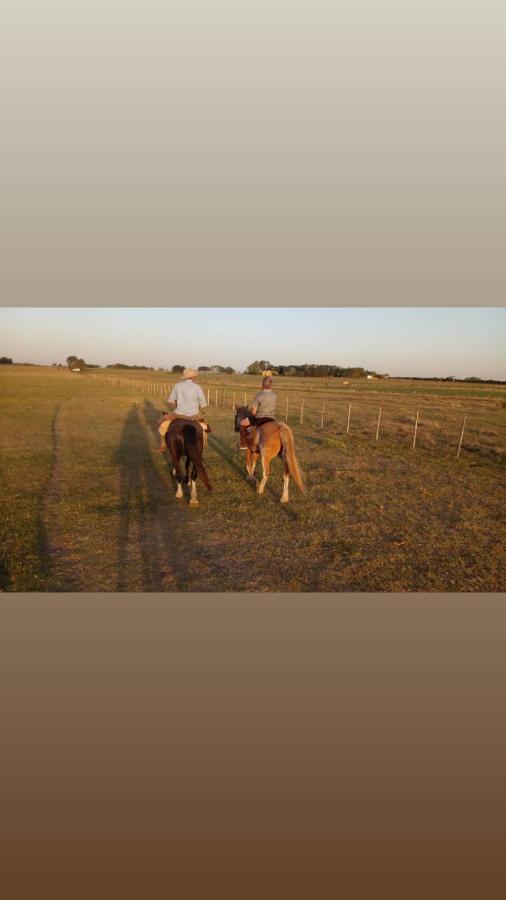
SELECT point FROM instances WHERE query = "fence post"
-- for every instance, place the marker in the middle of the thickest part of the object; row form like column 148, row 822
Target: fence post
column 302, row 411
column 416, row 427
column 216, row 397
column 323, row 413
column 208, row 396
column 233, row 402
column 378, row 426
column 286, row 414
column 349, row 415
column 245, row 403
column 461, row 436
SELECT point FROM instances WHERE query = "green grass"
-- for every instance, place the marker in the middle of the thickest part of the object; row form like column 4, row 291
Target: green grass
column 88, row 504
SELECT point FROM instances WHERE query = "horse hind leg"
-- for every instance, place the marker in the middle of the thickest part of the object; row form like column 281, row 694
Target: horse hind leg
column 251, row 461
column 265, row 473
column 176, row 471
column 193, row 498
column 286, row 480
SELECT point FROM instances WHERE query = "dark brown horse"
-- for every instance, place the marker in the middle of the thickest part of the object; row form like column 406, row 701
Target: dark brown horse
column 265, row 442
column 186, row 438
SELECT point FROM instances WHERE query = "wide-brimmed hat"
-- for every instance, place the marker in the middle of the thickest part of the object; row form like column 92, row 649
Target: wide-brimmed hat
column 189, row 373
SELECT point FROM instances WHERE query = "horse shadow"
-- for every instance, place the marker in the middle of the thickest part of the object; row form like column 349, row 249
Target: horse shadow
column 150, row 555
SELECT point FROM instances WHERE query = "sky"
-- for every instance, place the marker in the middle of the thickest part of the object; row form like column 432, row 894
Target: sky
column 435, row 342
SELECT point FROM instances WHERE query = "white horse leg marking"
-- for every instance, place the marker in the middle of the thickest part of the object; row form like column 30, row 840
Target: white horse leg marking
column 193, row 498
column 284, row 496
column 265, row 475
column 179, row 492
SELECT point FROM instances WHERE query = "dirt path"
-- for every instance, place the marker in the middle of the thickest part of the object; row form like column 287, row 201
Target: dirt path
column 63, row 574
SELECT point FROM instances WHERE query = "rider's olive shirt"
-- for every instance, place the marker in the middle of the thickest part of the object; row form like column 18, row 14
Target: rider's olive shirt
column 188, row 397
column 265, row 401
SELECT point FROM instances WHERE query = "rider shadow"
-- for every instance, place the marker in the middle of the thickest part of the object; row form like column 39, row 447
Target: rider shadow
column 148, row 550
column 152, row 417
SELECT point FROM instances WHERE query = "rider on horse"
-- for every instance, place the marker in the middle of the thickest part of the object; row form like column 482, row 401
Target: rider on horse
column 262, row 409
column 189, row 399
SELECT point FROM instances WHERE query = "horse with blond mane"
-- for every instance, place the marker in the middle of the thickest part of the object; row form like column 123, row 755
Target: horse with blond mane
column 266, row 442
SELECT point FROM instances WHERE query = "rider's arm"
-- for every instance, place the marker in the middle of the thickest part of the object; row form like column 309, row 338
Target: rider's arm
column 202, row 398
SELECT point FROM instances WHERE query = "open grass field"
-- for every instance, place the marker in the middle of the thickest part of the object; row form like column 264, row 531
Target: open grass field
column 88, row 502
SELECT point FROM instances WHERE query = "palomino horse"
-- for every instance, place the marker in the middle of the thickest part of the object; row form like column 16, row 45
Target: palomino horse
column 271, row 439
column 185, row 438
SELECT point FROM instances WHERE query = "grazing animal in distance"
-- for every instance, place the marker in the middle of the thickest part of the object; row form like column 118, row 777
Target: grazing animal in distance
column 186, row 438
column 265, row 442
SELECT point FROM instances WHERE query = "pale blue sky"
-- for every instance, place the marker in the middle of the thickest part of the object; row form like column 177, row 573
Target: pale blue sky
column 400, row 341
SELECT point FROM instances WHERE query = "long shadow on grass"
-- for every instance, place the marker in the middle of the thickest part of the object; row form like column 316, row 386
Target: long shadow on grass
column 229, row 455
column 153, row 541
column 152, row 416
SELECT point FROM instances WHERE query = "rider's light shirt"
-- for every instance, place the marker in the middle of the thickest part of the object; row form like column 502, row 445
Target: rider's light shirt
column 188, row 397
column 265, row 401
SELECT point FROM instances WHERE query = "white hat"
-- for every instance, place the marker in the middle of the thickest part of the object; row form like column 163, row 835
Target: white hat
column 189, row 373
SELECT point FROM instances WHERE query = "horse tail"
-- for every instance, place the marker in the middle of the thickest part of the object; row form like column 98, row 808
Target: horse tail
column 286, row 437
column 195, row 453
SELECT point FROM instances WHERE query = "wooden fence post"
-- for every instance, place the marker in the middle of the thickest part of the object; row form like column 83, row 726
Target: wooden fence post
column 378, row 426
column 233, row 402
column 216, row 396
column 416, row 427
column 208, row 396
column 323, row 413
column 461, row 436
column 349, row 415
column 302, row 411
column 286, row 414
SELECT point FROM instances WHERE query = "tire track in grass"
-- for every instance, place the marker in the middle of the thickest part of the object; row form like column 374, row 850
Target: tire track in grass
column 57, row 553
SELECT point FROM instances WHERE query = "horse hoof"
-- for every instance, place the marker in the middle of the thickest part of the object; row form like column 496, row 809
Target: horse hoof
column 194, row 502
column 284, row 500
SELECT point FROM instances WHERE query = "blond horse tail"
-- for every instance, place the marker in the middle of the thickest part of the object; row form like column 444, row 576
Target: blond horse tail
column 286, row 437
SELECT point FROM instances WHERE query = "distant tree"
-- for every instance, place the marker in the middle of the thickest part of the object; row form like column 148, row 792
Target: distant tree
column 204, row 368
column 259, row 366
column 5, row 361
column 178, row 369
column 74, row 362
column 126, row 366
column 229, row 370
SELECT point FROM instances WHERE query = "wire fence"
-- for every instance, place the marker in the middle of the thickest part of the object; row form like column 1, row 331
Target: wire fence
column 428, row 424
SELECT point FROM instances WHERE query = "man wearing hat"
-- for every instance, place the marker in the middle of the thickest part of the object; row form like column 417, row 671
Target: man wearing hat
column 189, row 399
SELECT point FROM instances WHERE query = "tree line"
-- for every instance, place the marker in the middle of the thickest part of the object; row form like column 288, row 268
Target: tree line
column 310, row 370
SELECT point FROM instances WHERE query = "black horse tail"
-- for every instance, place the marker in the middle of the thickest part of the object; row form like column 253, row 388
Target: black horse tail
column 194, row 451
